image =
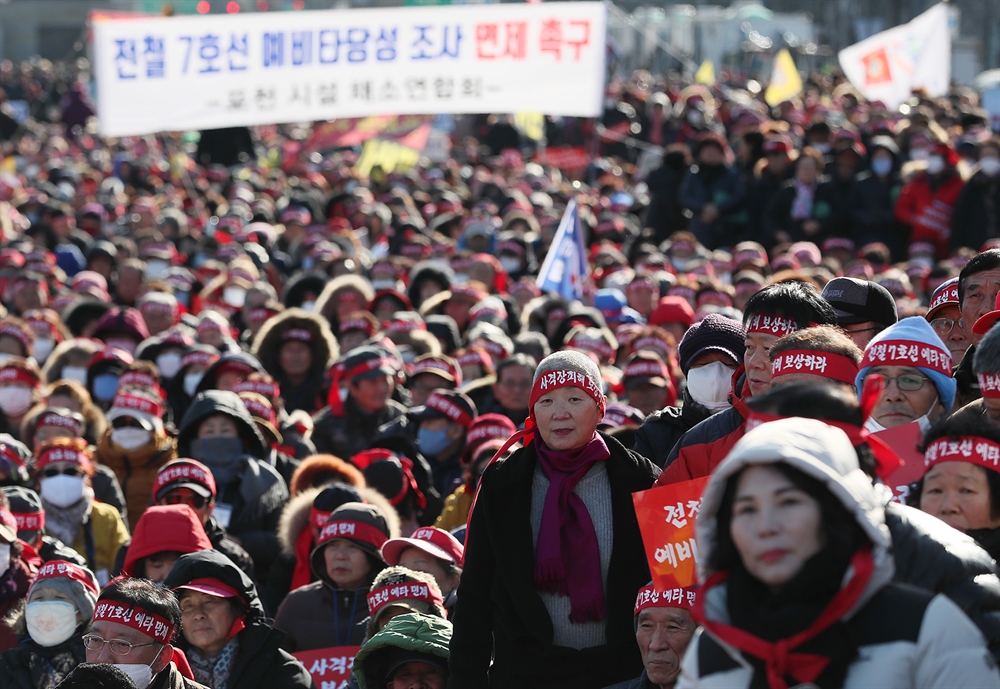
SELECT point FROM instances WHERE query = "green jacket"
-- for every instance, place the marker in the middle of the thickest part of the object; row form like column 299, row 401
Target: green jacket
column 414, row 632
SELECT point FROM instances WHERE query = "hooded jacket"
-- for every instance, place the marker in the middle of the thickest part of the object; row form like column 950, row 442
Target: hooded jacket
column 410, row 632
column 347, row 435
column 208, row 380
column 306, row 395
column 905, row 637
column 500, row 614
column 254, row 489
column 136, row 470
column 165, row 527
column 260, row 662
column 29, row 665
column 661, row 430
column 326, row 304
column 701, row 449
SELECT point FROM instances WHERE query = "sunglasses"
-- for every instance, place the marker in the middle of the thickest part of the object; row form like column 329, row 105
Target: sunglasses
column 195, row 501
column 53, row 471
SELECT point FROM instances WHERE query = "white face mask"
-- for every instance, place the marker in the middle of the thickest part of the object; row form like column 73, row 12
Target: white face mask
column 15, row 399
column 156, row 268
column 77, row 373
column 191, row 381
column 41, row 348
column 4, row 358
column 130, row 438
column 62, row 490
column 710, row 385
column 919, row 154
column 4, row 558
column 140, row 674
column 511, row 264
column 235, row 297
column 935, row 164
column 990, row 166
column 169, row 364
column 50, row 622
column 309, row 306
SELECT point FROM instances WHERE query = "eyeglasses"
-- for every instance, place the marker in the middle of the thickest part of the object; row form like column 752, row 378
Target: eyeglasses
column 195, row 501
column 907, row 382
column 944, row 326
column 53, row 471
column 119, row 647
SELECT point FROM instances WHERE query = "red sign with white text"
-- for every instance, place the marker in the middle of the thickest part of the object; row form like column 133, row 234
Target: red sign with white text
column 666, row 519
column 330, row 668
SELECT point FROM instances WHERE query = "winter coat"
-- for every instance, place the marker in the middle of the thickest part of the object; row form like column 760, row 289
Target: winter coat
column 326, row 303
column 906, row 637
column 136, row 470
column 724, row 188
column 171, row 678
column 778, row 216
column 319, row 616
column 107, row 489
column 212, row 372
column 640, row 682
column 400, row 436
column 100, row 538
column 411, row 632
column 14, row 585
column 966, row 382
column 873, row 213
column 933, row 556
column 927, row 211
column 306, row 395
column 31, row 666
column 260, row 662
column 456, row 509
column 255, row 490
column 229, row 546
column 347, row 435
column 701, row 449
column 664, row 215
column 661, row 430
column 500, row 613
column 166, row 528
column 977, row 212
column 759, row 197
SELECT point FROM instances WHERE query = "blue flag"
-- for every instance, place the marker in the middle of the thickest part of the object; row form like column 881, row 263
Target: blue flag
column 565, row 266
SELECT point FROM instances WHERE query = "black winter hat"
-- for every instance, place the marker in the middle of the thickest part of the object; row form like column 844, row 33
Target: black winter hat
column 364, row 525
column 445, row 329
column 713, row 333
column 859, row 301
column 22, row 501
column 97, row 676
column 333, row 496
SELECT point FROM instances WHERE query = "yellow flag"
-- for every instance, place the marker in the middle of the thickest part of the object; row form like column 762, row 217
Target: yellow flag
column 531, row 123
column 785, row 79
column 705, row 73
column 387, row 155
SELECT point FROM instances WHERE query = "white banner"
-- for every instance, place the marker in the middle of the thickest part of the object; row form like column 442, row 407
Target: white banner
column 202, row 72
column 889, row 65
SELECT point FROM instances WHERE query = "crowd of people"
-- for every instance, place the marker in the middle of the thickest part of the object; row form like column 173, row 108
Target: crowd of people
column 253, row 404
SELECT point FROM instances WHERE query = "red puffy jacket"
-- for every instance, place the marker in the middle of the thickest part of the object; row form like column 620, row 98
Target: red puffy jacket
column 928, row 211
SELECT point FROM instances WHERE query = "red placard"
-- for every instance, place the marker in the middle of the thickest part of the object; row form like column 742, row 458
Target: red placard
column 904, row 441
column 666, row 519
column 565, row 157
column 330, row 668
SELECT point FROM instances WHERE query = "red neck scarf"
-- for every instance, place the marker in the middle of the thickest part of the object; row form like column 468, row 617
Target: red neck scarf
column 567, row 540
column 780, row 660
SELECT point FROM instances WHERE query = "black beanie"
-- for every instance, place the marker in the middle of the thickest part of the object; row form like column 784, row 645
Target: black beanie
column 713, row 333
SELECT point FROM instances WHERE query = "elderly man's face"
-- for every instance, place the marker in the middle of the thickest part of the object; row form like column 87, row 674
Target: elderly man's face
column 908, row 395
column 663, row 634
column 145, row 649
column 979, row 297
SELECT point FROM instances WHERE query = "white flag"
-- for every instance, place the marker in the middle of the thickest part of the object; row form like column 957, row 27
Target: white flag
column 887, row 66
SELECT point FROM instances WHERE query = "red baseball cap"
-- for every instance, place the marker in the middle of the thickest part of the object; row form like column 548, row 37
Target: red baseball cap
column 433, row 541
column 211, row 586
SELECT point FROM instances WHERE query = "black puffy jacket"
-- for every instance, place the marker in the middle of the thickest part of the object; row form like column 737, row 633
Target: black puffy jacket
column 933, row 556
column 662, row 429
column 260, row 662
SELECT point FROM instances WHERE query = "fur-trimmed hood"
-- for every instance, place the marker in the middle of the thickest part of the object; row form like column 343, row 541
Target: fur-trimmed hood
column 326, row 304
column 315, row 466
column 267, row 344
column 295, row 516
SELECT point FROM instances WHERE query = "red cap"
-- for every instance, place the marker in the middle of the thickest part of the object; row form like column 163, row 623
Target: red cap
column 210, row 586
column 672, row 309
column 433, row 541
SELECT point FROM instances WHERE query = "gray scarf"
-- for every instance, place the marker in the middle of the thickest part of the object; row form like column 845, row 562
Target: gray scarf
column 213, row 672
column 65, row 523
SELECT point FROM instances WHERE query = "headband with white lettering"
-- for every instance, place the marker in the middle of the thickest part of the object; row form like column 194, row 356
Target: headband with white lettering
column 651, row 597
column 351, row 531
column 145, row 405
column 30, row 521
column 908, row 353
column 136, row 617
column 13, row 375
column 553, row 380
column 646, row 368
column 300, row 334
column 826, row 364
column 413, row 590
column 448, row 408
column 52, row 455
column 989, row 385
column 967, row 448
column 771, row 324
column 60, row 569
column 52, row 418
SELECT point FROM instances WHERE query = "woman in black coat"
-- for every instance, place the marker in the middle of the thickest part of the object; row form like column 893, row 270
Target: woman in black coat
column 246, row 654
column 553, row 556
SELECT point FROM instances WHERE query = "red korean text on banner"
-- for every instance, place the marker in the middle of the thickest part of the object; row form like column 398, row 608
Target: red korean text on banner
column 330, row 668
column 666, row 520
column 904, row 440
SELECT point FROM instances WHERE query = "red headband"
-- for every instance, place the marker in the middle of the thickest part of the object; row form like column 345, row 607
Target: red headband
column 946, row 296
column 470, row 292
column 262, row 314
column 487, row 431
column 267, row 390
column 967, row 448
column 60, row 569
column 908, row 353
column 381, row 597
column 54, row 419
column 770, row 324
column 473, row 357
column 494, row 348
column 651, row 597
column 62, row 454
column 645, row 367
column 139, row 379
column 11, row 330
column 553, row 380
column 352, row 531
column 989, row 385
column 825, row 364
column 260, row 410
column 435, row 366
column 299, row 334
column 318, row 518
column 448, row 408
column 356, row 324
column 654, row 342
column 199, row 359
column 592, row 344
column 403, row 326
column 135, row 617
column 338, row 373
column 144, row 405
column 30, row 521
column 183, row 471
column 12, row 375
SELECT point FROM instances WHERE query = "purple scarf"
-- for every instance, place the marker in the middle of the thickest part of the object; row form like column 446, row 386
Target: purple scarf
column 567, row 541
